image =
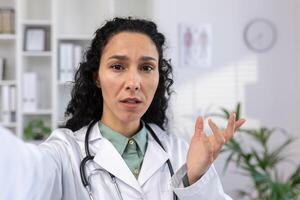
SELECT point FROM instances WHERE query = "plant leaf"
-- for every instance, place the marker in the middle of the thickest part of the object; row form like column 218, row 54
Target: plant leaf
column 238, row 111
column 294, row 179
column 226, row 112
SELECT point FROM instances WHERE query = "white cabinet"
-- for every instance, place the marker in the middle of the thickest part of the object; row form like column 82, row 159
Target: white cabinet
column 36, row 69
column 8, row 65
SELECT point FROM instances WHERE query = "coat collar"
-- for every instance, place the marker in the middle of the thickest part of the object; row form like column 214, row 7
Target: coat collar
column 94, row 134
column 154, row 159
column 109, row 158
column 120, row 141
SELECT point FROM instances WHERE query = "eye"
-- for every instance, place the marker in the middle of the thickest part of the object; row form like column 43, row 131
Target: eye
column 117, row 67
column 147, row 68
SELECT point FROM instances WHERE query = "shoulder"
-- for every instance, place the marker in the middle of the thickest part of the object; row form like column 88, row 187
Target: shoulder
column 67, row 135
column 61, row 134
column 64, row 141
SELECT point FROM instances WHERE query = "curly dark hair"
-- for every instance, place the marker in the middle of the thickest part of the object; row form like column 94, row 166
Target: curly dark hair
column 86, row 102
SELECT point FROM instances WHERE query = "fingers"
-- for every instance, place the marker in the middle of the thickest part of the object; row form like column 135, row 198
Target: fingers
column 231, row 126
column 217, row 133
column 231, row 123
column 199, row 126
column 220, row 137
column 217, row 139
column 209, row 146
column 239, row 123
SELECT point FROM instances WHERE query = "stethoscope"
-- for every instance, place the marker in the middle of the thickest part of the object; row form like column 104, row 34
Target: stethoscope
column 86, row 180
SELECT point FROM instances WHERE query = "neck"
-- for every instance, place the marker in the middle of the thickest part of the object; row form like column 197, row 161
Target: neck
column 126, row 129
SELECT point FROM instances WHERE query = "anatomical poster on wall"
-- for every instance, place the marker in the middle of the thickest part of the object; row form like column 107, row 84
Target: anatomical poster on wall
column 195, row 45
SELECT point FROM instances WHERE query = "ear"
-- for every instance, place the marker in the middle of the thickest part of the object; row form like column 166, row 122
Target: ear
column 98, row 83
column 96, row 79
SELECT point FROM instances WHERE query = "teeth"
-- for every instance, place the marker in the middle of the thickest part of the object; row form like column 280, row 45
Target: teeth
column 131, row 101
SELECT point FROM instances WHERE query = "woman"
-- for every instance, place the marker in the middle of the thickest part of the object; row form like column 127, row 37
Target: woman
column 114, row 145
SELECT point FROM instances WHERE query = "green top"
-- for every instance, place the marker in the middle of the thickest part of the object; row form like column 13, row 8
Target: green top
column 132, row 149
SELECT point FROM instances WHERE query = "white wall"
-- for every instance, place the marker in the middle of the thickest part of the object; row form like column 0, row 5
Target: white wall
column 267, row 84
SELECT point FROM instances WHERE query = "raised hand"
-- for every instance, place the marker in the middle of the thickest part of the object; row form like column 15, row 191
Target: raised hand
column 205, row 149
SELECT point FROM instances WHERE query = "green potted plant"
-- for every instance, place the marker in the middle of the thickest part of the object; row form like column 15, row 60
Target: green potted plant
column 259, row 162
column 36, row 130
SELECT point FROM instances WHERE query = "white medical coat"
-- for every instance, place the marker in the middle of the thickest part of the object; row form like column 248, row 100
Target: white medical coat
column 50, row 171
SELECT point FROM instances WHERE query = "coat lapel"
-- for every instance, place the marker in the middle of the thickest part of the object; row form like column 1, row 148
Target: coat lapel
column 109, row 159
column 155, row 158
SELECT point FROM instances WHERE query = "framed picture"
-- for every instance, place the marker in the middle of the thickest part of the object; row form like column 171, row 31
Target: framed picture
column 195, row 43
column 35, row 39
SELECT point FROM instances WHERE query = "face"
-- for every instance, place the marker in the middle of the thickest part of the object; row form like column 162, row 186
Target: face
column 128, row 77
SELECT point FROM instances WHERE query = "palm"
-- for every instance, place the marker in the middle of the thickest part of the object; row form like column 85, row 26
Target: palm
column 204, row 149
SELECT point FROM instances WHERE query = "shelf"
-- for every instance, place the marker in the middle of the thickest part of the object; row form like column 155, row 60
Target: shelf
column 36, row 142
column 39, row 112
column 8, row 125
column 62, row 24
column 75, row 37
column 37, row 53
column 37, row 22
column 7, row 37
column 8, row 82
column 68, row 83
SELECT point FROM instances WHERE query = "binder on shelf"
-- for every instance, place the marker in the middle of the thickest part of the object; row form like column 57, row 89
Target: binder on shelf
column 77, row 56
column 69, row 59
column 66, row 58
column 29, row 92
column 70, row 63
column 8, row 104
column 2, row 65
column 5, row 112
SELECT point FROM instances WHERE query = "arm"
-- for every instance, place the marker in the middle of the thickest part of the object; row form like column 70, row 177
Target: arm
column 27, row 171
column 207, row 187
column 203, row 150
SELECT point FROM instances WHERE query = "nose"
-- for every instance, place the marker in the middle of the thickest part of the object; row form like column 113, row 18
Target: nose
column 133, row 82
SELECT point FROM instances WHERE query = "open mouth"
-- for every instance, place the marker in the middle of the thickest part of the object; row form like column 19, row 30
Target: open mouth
column 131, row 101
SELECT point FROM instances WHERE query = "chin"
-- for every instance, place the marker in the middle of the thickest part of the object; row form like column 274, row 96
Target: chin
column 130, row 118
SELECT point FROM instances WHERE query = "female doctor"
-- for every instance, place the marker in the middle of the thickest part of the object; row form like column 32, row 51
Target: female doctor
column 114, row 145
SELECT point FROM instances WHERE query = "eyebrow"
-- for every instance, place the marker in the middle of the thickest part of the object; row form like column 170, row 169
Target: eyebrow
column 125, row 58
